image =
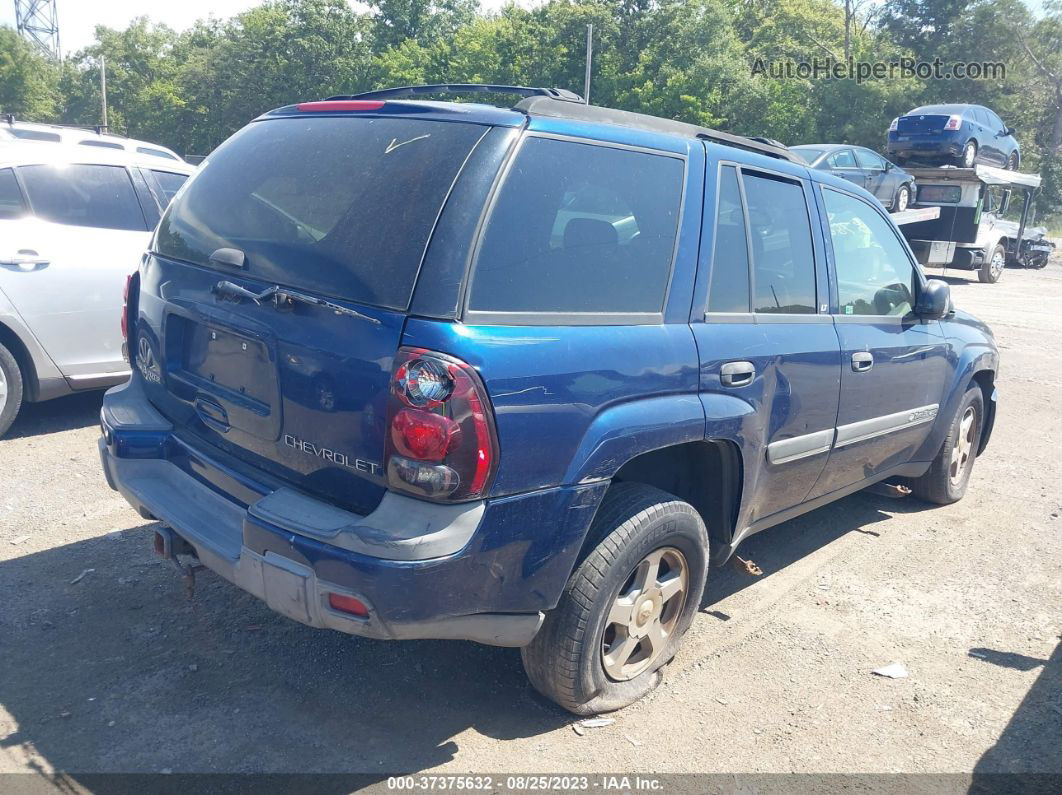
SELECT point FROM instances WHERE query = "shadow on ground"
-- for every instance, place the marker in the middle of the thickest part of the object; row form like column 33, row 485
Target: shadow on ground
column 1033, row 733
column 52, row 416
column 779, row 547
column 119, row 672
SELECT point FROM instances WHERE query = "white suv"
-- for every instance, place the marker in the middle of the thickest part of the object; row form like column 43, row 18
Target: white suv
column 75, row 219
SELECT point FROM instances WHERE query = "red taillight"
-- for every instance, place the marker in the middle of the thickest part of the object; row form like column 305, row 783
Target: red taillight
column 953, row 123
column 441, row 442
column 348, row 604
column 331, row 105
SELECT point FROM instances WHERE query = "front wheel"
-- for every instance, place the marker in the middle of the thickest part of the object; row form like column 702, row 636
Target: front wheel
column 1013, row 162
column 992, row 268
column 625, row 608
column 949, row 474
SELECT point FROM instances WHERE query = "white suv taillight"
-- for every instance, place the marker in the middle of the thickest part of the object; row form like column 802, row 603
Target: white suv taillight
column 441, row 441
column 954, row 122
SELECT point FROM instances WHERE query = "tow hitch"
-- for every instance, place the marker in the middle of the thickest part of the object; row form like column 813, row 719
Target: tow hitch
column 169, row 545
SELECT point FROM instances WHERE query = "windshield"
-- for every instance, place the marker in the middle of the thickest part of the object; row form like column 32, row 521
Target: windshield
column 337, row 205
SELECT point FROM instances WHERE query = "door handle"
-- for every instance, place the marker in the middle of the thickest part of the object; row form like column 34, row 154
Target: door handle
column 862, row 361
column 737, row 373
column 26, row 259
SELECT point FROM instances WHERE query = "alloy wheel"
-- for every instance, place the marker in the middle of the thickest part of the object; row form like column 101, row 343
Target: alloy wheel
column 902, row 200
column 3, row 390
column 969, row 154
column 962, row 452
column 644, row 614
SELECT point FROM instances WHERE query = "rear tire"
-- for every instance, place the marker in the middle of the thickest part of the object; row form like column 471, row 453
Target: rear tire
column 949, row 474
column 992, row 268
column 969, row 155
column 11, row 389
column 621, row 617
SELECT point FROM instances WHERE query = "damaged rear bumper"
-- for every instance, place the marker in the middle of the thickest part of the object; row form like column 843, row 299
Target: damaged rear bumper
column 480, row 571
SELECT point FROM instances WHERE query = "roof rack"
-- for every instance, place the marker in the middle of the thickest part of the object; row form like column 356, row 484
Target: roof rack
column 465, row 88
column 99, row 129
column 561, row 103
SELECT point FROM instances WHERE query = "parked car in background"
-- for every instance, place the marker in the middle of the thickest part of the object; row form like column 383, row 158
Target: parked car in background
column 960, row 135
column 889, row 183
column 11, row 130
column 74, row 221
column 517, row 375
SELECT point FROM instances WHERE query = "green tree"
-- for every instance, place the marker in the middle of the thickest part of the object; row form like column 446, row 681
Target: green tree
column 28, row 81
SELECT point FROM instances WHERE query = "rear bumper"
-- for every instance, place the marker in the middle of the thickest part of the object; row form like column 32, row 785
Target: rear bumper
column 950, row 145
column 484, row 571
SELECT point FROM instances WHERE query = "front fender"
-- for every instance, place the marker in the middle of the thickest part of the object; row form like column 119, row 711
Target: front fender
column 972, row 360
column 626, row 430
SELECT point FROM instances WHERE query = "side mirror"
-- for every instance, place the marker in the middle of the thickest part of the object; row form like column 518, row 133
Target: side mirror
column 935, row 300
column 889, row 166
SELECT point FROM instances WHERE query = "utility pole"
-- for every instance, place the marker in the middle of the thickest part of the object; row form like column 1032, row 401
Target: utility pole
column 589, row 61
column 103, row 91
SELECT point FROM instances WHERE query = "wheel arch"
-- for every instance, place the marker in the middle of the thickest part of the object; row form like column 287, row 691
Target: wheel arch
column 707, row 473
column 986, row 380
column 13, row 342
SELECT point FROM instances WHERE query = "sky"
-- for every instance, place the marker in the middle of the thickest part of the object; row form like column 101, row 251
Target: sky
column 78, row 18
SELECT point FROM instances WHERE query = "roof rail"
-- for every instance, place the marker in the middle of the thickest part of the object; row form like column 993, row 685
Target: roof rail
column 99, row 129
column 465, row 88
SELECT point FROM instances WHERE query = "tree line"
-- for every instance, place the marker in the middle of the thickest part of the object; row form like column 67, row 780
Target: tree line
column 694, row 60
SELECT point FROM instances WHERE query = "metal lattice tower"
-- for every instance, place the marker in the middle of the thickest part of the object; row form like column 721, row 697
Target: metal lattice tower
column 38, row 22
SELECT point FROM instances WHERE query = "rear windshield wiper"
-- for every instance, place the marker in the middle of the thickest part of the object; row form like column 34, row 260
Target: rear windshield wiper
column 282, row 295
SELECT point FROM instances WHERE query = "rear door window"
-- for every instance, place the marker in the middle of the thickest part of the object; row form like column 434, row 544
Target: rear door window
column 11, row 202
column 336, row 205
column 783, row 257
column 842, row 159
column 166, row 184
column 83, row 195
column 728, row 290
column 580, row 228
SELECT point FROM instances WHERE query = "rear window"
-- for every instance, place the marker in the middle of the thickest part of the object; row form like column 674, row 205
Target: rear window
column 580, row 228
column 807, row 154
column 83, row 195
column 341, row 206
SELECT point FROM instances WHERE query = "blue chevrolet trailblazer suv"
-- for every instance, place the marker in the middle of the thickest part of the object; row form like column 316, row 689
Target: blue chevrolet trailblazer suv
column 423, row 369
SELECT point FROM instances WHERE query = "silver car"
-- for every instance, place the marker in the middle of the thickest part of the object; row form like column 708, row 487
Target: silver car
column 75, row 219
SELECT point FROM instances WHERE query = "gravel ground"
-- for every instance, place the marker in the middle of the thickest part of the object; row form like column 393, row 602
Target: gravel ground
column 107, row 667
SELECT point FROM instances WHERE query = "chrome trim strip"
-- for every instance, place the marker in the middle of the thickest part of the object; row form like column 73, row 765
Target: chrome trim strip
column 889, row 423
column 786, row 450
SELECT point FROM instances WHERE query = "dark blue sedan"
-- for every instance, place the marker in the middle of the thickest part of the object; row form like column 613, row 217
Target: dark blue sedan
column 960, row 134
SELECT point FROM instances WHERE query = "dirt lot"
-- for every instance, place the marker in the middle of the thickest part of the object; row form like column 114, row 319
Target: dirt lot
column 115, row 671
